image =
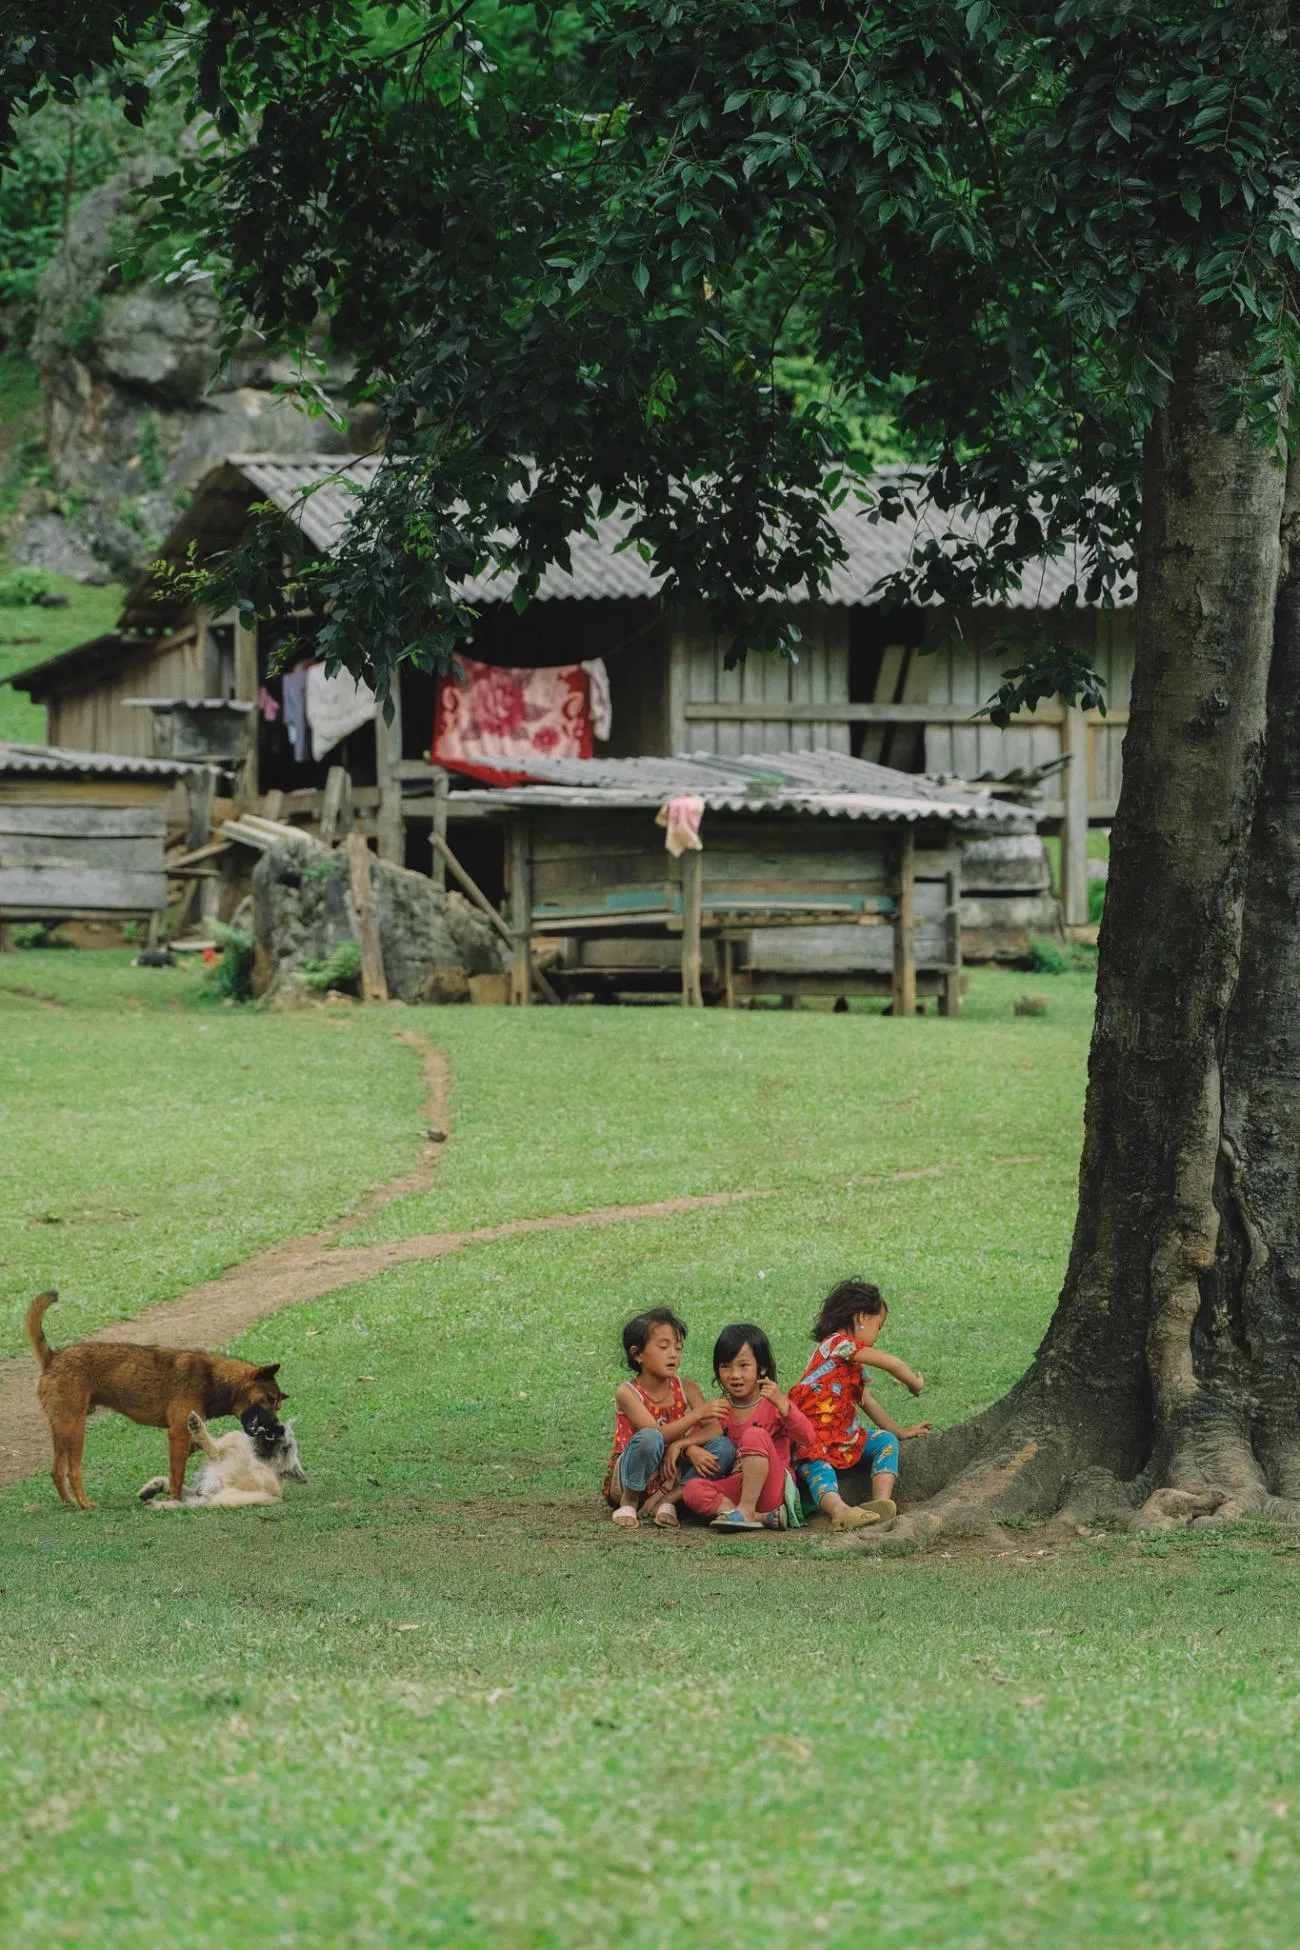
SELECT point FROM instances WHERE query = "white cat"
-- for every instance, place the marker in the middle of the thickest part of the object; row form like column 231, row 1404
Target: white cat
column 247, row 1466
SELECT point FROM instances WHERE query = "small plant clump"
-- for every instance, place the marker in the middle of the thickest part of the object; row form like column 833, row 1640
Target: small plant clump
column 341, row 970
column 233, row 971
column 22, row 586
column 1047, row 957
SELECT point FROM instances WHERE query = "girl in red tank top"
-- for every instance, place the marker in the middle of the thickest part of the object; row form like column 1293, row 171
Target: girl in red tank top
column 656, row 1414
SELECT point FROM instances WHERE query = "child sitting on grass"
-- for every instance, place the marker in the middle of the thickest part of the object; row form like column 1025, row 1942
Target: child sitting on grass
column 655, row 1410
column 762, row 1423
column 830, row 1392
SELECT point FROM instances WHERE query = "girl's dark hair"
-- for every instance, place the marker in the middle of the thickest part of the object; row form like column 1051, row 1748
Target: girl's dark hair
column 732, row 1339
column 850, row 1297
column 641, row 1326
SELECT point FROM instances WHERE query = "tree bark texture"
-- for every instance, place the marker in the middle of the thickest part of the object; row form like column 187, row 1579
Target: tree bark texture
column 1121, row 1377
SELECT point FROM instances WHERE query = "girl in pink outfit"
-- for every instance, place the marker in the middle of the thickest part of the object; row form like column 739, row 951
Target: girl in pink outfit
column 762, row 1423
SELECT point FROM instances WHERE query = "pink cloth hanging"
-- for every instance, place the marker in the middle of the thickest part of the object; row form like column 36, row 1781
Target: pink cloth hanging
column 682, row 817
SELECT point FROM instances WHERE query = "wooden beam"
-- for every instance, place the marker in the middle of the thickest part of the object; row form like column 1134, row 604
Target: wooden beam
column 481, row 901
column 336, row 806
column 388, row 760
column 200, row 791
column 441, row 793
column 247, row 684
column 676, row 709
column 950, row 999
column 904, row 985
column 692, row 905
column 374, row 984
column 1074, row 824
column 521, row 911
column 706, row 711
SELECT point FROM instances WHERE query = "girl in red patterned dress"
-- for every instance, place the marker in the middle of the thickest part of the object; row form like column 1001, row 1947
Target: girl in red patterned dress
column 656, row 1410
column 830, row 1393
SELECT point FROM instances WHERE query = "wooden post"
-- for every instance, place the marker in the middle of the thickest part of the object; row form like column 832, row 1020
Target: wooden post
column 728, row 972
column 390, row 829
column 441, row 792
column 336, row 806
column 247, row 684
column 1074, row 827
column 374, row 985
column 273, row 804
column 904, row 993
column 692, row 902
column 200, row 790
column 6, row 939
column 950, row 1000
column 521, row 913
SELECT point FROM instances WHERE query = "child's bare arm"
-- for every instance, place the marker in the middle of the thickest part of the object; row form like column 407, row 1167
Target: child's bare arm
column 700, row 1416
column 871, row 1357
column 876, row 1413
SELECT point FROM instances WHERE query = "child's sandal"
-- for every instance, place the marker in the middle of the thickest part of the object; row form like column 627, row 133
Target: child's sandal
column 854, row 1516
column 665, row 1517
column 776, row 1519
column 626, row 1516
column 734, row 1520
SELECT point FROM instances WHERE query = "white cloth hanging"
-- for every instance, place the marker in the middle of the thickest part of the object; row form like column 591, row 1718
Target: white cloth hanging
column 602, row 704
column 336, row 706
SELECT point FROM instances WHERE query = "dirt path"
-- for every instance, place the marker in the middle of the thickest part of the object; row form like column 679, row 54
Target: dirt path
column 303, row 1269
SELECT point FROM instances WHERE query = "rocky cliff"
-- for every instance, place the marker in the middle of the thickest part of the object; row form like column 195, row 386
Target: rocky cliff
column 139, row 399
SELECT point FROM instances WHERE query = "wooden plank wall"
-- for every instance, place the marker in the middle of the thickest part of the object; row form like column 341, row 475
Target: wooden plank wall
column 966, row 669
column 575, row 864
column 820, row 676
column 96, row 719
column 63, row 858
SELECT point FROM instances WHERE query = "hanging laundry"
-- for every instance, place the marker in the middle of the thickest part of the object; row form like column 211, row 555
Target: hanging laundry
column 336, row 706
column 500, row 713
column 293, row 692
column 682, row 817
column 268, row 705
column 602, row 704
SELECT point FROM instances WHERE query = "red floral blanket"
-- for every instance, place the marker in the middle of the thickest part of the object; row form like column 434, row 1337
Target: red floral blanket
column 498, row 713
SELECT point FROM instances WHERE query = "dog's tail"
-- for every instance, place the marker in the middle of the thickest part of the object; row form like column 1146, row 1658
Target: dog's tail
column 35, row 1332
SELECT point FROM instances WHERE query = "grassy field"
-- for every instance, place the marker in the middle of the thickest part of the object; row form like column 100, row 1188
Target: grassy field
column 435, row 1698
column 30, row 635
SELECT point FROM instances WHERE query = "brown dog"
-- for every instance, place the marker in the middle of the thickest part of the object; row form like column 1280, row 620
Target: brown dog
column 159, row 1386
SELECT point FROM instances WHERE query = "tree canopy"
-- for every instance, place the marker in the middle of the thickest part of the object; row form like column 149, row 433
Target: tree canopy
column 570, row 248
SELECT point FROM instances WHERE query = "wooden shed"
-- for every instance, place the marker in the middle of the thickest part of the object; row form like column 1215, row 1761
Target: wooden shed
column 82, row 834
column 829, row 877
column 898, row 686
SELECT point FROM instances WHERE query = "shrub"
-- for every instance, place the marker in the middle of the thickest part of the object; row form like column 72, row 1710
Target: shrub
column 1047, row 957
column 234, row 972
column 18, row 587
column 342, row 970
column 1096, row 900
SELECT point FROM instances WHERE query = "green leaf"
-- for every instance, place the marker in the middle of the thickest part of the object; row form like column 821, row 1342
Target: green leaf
column 641, row 278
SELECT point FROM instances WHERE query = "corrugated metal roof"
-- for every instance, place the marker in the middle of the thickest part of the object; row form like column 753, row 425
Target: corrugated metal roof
column 874, row 550
column 57, row 761
column 820, row 782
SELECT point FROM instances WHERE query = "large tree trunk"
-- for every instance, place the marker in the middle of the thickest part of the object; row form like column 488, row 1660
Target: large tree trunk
column 1238, row 1439
column 1115, row 1385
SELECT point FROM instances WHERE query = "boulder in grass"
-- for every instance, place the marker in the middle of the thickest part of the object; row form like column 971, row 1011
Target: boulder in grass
column 431, row 942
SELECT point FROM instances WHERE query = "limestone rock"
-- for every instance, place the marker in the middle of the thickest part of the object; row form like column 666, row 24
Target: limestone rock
column 53, row 543
column 302, row 912
column 141, row 400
